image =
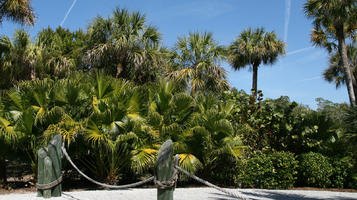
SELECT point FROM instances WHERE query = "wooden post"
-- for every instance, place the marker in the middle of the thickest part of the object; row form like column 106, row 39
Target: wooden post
column 40, row 170
column 164, row 170
column 50, row 167
column 55, row 153
column 48, row 174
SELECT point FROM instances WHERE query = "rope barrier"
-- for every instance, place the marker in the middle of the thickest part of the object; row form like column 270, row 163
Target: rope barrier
column 209, row 184
column 171, row 183
column 103, row 184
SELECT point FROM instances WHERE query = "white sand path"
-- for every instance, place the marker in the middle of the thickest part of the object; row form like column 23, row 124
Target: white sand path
column 190, row 193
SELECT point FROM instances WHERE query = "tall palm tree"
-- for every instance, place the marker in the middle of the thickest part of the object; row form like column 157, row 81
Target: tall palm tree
column 334, row 21
column 18, row 11
column 124, row 46
column 254, row 47
column 196, row 59
column 335, row 72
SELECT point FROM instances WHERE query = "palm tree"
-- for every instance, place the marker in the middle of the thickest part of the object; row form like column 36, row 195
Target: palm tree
column 8, row 140
column 61, row 51
column 334, row 20
column 18, row 11
column 124, row 46
column 29, row 110
column 219, row 139
column 115, row 129
column 19, row 58
column 199, row 127
column 335, row 72
column 254, row 47
column 169, row 117
column 196, row 59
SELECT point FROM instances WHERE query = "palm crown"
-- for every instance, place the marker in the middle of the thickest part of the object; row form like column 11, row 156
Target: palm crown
column 196, row 59
column 253, row 47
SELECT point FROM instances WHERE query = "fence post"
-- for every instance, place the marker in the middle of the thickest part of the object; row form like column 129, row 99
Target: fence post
column 164, row 170
column 41, row 154
column 50, row 169
column 48, row 174
column 55, row 153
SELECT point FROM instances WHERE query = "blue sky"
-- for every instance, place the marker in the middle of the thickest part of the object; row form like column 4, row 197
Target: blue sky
column 297, row 75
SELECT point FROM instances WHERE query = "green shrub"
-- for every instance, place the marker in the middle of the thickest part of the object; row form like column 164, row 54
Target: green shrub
column 341, row 170
column 276, row 170
column 352, row 181
column 314, row 170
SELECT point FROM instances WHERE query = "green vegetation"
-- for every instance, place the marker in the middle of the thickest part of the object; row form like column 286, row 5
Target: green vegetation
column 335, row 21
column 18, row 11
column 254, row 47
column 116, row 94
column 276, row 170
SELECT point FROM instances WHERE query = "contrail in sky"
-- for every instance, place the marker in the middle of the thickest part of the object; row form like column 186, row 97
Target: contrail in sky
column 310, row 79
column 287, row 19
column 69, row 11
column 298, row 51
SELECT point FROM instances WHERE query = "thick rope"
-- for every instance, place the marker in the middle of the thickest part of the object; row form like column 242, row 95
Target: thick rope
column 103, row 184
column 209, row 184
column 49, row 185
column 161, row 184
column 171, row 183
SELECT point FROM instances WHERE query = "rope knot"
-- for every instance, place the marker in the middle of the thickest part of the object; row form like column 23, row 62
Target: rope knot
column 171, row 183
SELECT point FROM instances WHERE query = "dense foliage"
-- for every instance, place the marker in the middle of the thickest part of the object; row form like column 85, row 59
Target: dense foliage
column 276, row 170
column 315, row 170
column 116, row 94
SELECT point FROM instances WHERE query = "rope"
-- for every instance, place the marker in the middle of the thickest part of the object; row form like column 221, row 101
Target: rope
column 209, row 184
column 49, row 185
column 103, row 184
column 171, row 183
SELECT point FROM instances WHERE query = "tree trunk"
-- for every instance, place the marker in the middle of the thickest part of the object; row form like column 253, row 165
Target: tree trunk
column 2, row 170
column 32, row 73
column 255, row 79
column 346, row 66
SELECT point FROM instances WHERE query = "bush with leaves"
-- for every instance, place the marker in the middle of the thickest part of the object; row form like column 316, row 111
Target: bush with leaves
column 341, row 171
column 315, row 170
column 277, row 170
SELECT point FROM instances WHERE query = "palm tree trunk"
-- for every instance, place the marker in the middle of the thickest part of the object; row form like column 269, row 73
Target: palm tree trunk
column 32, row 73
column 255, row 79
column 348, row 75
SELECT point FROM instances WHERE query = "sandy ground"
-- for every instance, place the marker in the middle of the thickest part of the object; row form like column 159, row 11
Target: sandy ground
column 191, row 193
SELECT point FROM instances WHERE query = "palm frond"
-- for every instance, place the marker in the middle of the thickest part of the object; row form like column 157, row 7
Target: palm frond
column 143, row 159
column 189, row 162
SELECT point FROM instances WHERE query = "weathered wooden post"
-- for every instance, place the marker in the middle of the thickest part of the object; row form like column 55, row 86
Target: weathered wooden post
column 41, row 155
column 164, row 170
column 47, row 176
column 55, row 153
column 49, row 169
